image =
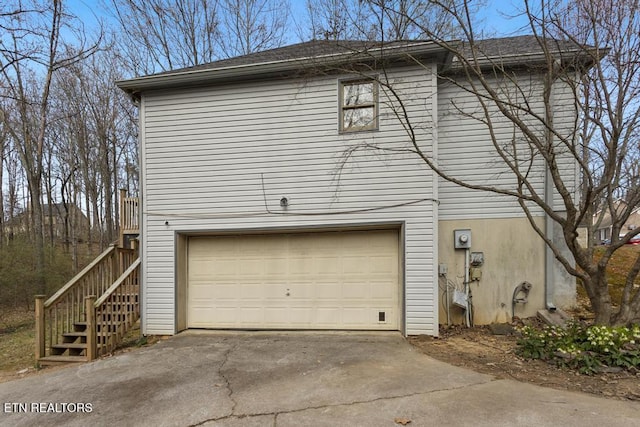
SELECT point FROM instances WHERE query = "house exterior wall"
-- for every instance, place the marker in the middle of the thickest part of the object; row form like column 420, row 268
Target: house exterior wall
column 77, row 222
column 219, row 159
column 604, row 232
column 632, row 222
column 513, row 252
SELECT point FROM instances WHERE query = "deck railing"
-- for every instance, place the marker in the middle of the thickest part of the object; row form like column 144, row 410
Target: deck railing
column 129, row 219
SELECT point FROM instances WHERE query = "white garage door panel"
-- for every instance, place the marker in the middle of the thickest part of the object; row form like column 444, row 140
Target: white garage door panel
column 333, row 280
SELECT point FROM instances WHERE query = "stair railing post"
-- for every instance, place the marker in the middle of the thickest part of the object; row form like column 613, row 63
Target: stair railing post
column 123, row 217
column 90, row 313
column 135, row 246
column 40, row 327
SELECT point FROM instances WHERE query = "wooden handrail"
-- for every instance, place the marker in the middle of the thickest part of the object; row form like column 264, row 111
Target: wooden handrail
column 117, row 283
column 70, row 284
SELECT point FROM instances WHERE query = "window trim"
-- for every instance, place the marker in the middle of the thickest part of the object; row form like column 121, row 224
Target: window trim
column 342, row 107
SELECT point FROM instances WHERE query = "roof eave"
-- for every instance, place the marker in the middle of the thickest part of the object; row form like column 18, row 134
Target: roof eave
column 240, row 72
column 516, row 60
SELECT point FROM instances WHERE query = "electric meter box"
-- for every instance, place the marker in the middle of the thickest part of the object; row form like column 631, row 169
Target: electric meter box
column 462, row 239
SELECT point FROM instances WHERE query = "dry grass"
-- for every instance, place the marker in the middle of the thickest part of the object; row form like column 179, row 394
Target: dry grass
column 619, row 266
column 17, row 341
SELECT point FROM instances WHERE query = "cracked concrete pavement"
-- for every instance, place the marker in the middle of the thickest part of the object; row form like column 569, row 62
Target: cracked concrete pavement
column 294, row 378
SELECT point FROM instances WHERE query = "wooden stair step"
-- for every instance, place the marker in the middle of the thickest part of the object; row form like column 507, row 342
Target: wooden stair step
column 74, row 334
column 79, row 346
column 80, row 326
column 73, row 339
column 59, row 360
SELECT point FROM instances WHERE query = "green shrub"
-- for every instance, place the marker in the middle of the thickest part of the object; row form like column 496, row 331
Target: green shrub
column 587, row 349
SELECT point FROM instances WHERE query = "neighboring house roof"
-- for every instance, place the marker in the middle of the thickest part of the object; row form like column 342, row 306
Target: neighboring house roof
column 54, row 210
column 59, row 209
column 618, row 206
column 319, row 53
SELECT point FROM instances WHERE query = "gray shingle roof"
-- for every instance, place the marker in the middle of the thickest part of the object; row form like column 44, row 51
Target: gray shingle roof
column 522, row 45
column 298, row 51
column 313, row 53
column 496, row 47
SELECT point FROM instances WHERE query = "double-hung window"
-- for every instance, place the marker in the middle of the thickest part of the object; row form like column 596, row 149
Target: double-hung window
column 358, row 105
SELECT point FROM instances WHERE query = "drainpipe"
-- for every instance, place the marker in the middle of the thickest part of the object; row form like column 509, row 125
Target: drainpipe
column 548, row 224
column 549, row 257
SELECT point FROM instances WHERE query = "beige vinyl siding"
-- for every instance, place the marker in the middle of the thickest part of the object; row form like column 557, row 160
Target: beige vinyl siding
column 466, row 152
column 219, row 159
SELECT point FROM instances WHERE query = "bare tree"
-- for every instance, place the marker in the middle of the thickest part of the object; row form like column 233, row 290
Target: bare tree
column 377, row 20
column 413, row 19
column 589, row 51
column 252, row 25
column 338, row 20
column 160, row 35
column 13, row 183
column 32, row 50
column 94, row 139
column 3, row 150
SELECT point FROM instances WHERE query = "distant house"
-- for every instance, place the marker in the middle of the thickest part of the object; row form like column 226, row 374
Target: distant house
column 67, row 221
column 603, row 231
column 61, row 215
column 251, row 218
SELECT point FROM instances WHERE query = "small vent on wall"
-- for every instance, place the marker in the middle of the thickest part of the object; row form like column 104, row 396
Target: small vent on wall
column 381, row 316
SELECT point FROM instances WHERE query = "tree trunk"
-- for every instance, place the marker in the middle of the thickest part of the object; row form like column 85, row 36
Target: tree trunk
column 2, row 144
column 38, row 232
column 598, row 293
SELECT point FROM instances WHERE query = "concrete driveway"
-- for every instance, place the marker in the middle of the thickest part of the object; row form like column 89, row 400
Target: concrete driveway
column 291, row 379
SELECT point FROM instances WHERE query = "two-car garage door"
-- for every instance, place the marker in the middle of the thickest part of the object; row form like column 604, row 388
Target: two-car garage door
column 321, row 280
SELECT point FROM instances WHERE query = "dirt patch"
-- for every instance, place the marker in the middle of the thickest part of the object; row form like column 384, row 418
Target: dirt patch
column 480, row 350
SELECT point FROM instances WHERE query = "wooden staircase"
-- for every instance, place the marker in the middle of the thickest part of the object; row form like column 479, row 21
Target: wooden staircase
column 91, row 314
column 111, row 322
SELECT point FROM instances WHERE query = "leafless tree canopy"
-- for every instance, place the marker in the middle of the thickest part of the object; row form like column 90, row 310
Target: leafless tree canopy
column 160, row 35
column 376, row 20
column 250, row 26
column 51, row 90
